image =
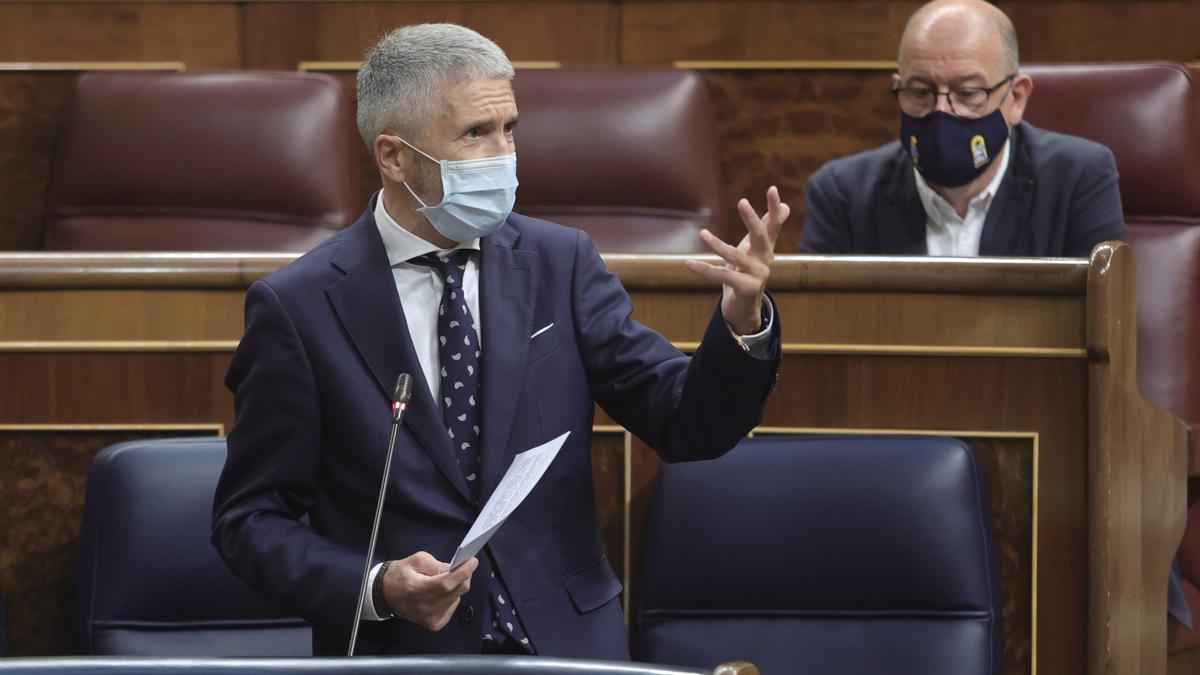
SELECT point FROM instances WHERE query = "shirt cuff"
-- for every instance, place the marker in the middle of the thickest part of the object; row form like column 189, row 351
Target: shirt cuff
column 368, row 607
column 759, row 344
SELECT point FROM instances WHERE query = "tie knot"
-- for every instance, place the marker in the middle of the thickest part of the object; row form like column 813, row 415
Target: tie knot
column 451, row 269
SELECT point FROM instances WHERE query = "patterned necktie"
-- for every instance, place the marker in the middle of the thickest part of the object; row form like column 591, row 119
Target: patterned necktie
column 459, row 352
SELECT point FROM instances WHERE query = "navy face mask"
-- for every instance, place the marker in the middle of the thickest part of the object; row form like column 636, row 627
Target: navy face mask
column 952, row 151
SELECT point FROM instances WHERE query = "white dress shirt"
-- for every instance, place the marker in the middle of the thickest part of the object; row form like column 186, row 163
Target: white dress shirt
column 946, row 234
column 420, row 291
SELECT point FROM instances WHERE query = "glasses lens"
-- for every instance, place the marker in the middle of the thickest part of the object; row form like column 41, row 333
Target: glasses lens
column 968, row 100
column 915, row 102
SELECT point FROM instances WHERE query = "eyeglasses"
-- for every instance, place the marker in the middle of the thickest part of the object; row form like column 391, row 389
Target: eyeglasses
column 964, row 101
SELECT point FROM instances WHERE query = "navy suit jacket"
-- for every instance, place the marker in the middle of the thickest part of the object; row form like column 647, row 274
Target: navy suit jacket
column 1059, row 198
column 325, row 339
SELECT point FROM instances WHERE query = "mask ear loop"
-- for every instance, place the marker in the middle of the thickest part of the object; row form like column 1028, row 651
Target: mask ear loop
column 405, row 183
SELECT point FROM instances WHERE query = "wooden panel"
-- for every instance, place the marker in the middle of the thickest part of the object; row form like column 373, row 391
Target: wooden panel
column 33, row 105
column 281, row 35
column 663, row 32
column 121, row 315
column 43, row 472
column 979, row 301
column 116, row 388
column 1137, row 483
column 1060, row 30
column 203, row 35
column 898, row 319
column 608, row 478
column 777, row 127
column 1083, row 30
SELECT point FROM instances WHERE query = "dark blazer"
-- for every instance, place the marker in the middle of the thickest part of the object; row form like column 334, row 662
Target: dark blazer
column 325, row 339
column 1059, row 198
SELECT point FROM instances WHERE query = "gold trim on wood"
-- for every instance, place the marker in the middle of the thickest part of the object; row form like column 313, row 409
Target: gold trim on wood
column 918, row 350
column 42, row 346
column 788, row 65
column 626, row 500
column 84, row 66
column 217, row 427
column 1032, row 436
column 353, row 66
column 628, row 566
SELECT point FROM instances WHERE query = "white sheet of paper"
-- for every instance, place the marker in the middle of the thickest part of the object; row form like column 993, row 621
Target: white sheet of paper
column 524, row 473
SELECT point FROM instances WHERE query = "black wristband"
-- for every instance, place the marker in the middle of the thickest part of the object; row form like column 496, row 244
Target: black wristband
column 377, row 598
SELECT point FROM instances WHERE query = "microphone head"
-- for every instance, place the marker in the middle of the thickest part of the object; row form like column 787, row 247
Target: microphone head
column 403, row 389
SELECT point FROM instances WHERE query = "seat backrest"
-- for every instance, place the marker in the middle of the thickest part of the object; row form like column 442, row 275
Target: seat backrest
column 149, row 581
column 203, row 161
column 1148, row 114
column 863, row 555
column 626, row 154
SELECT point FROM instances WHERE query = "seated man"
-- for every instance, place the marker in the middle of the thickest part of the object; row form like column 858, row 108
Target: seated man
column 968, row 177
column 512, row 330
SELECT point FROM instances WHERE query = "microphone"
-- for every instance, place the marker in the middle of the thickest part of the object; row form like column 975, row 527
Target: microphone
column 400, row 398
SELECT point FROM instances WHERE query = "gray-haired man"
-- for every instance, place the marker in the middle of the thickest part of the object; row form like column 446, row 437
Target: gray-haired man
column 513, row 330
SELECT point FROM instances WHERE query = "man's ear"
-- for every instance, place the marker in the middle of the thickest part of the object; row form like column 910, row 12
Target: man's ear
column 1022, row 89
column 390, row 158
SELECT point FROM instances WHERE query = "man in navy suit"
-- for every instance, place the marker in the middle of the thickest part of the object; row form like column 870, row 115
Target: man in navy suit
column 968, row 177
column 512, row 329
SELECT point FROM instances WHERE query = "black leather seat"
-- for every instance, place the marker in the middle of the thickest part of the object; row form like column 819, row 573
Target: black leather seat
column 149, row 581
column 408, row 665
column 863, row 555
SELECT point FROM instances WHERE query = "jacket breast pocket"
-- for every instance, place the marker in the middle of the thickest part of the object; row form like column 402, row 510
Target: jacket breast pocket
column 544, row 340
column 593, row 586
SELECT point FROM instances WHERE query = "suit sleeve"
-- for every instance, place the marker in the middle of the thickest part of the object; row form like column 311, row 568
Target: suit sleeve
column 1096, row 214
column 269, row 478
column 685, row 408
column 826, row 224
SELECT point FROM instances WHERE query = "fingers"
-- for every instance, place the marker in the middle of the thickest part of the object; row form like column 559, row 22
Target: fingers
column 733, row 255
column 458, row 578
column 777, row 214
column 739, row 282
column 764, row 230
column 755, row 227
column 425, row 591
column 423, row 563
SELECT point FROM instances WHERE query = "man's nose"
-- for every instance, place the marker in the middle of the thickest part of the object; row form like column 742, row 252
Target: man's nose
column 943, row 103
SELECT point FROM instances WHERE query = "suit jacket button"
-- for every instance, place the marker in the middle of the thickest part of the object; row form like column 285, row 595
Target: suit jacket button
column 467, row 613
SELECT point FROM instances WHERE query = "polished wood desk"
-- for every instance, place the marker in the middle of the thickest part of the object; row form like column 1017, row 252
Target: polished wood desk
column 1030, row 361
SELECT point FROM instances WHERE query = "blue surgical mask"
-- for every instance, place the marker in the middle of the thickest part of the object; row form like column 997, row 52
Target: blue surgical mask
column 477, row 195
column 952, row 151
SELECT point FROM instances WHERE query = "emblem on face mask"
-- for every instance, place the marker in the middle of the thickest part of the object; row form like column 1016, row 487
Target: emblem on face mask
column 979, row 152
column 916, row 156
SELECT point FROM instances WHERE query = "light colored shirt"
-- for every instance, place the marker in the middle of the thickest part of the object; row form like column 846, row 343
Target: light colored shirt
column 420, row 290
column 947, row 234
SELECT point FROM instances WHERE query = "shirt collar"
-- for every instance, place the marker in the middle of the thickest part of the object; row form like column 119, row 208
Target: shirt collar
column 402, row 245
column 940, row 211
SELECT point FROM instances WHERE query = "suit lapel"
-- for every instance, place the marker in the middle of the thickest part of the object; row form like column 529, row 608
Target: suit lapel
column 1006, row 228
column 900, row 216
column 367, row 305
column 507, row 283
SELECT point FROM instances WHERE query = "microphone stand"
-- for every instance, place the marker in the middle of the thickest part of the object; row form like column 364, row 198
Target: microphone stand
column 400, row 400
